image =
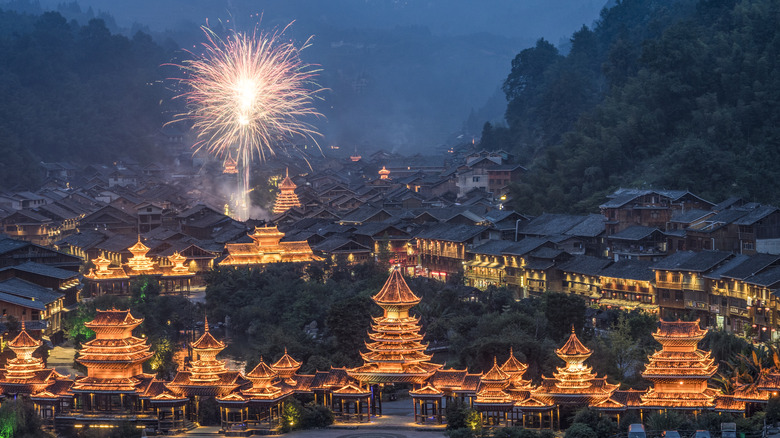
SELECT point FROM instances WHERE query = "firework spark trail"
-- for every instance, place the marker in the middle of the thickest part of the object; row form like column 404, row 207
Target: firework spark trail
column 247, row 92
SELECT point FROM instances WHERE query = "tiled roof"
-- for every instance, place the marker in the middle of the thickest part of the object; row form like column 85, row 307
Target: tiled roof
column 573, row 346
column 768, row 278
column 680, row 329
column 44, row 270
column 396, row 291
column 491, row 247
column 630, row 269
column 692, row 261
column 29, row 291
column 586, row 265
column 635, row 232
column 525, row 246
column 449, row 233
column 756, row 215
column 549, row 224
column 751, row 266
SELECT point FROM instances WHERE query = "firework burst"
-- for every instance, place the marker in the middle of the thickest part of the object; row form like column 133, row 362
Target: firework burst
column 245, row 93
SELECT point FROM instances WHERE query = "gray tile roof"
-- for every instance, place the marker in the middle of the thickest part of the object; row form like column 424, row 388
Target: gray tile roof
column 586, row 265
column 717, row 273
column 549, row 224
column 457, row 233
column 8, row 245
column 753, row 265
column 692, row 261
column 30, row 291
column 630, row 269
column 686, row 217
column 492, row 247
column 591, row 226
column 525, row 246
column 768, row 278
column 635, row 232
column 44, row 270
column 756, row 215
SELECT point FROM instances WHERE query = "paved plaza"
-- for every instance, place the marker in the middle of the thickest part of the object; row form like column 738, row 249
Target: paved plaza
column 397, row 421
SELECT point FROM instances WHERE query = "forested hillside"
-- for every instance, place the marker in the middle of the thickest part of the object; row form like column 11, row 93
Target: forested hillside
column 74, row 92
column 672, row 94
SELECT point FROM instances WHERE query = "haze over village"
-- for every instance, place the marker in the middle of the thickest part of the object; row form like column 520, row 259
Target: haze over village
column 421, row 221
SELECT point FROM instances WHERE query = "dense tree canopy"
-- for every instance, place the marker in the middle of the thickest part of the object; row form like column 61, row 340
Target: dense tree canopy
column 680, row 95
column 74, row 92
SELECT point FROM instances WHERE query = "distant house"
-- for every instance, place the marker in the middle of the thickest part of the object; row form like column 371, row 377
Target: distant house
column 15, row 252
column 649, row 208
column 27, row 301
column 442, row 248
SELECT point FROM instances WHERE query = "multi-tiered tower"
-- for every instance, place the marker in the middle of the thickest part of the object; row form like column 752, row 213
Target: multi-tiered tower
column 286, row 199
column 114, row 362
column 26, row 374
column 680, row 372
column 139, row 262
column 396, row 352
column 574, row 383
column 492, row 389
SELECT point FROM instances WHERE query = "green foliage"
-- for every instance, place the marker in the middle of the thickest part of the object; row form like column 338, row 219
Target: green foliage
column 681, row 95
column 580, row 430
column 669, row 420
column 601, row 427
column 316, row 416
column 773, row 410
column 74, row 93
column 292, row 414
column 18, row 419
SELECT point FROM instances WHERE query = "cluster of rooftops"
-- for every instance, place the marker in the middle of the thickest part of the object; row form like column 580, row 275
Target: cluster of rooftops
column 395, row 353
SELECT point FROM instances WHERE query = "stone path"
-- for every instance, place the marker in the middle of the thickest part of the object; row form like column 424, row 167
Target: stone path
column 61, row 359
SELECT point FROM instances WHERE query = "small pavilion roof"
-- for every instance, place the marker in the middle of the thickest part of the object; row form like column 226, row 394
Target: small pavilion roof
column 207, row 341
column 262, row 371
column 680, row 329
column 495, row 373
column 573, row 346
column 114, row 317
column 513, row 365
column 396, row 291
column 23, row 339
column 286, row 361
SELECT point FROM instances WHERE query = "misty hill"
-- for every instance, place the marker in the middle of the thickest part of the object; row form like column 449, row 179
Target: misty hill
column 677, row 94
column 402, row 75
column 74, row 93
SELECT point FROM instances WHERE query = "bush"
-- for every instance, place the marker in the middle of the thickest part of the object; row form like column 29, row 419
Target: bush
column 315, row 416
column 580, row 430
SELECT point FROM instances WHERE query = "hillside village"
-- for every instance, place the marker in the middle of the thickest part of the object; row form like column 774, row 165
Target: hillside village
column 445, row 217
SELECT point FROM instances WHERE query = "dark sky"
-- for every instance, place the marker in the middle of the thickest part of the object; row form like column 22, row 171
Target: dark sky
column 403, row 75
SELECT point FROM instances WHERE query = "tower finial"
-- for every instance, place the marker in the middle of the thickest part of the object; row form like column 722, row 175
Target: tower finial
column 22, row 325
column 286, row 172
column 206, row 317
column 572, row 329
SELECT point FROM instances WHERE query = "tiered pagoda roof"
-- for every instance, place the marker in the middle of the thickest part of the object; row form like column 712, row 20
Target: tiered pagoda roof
column 104, row 272
column 575, row 382
column 207, row 375
column 115, row 357
column 138, row 264
column 286, row 367
column 395, row 352
column 680, row 372
column 26, row 374
column 267, row 248
column 230, row 165
column 286, row 199
column 492, row 393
